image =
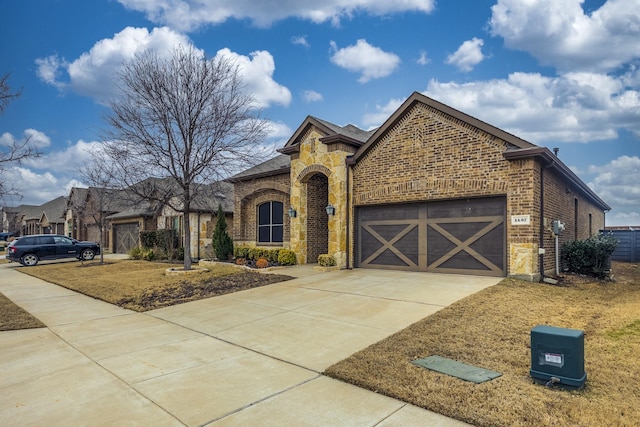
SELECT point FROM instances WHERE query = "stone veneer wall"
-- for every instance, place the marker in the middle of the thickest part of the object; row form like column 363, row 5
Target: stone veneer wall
column 318, row 158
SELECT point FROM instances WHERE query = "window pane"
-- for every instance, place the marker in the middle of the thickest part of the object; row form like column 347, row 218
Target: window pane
column 276, row 231
column 276, row 213
column 264, row 234
column 264, row 214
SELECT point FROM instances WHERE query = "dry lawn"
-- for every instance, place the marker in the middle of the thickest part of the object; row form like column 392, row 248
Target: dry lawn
column 13, row 317
column 491, row 329
column 142, row 285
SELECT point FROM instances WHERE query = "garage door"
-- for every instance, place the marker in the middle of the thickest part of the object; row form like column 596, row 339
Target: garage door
column 125, row 237
column 459, row 236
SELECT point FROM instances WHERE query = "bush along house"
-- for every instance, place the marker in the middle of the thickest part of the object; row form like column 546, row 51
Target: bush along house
column 432, row 189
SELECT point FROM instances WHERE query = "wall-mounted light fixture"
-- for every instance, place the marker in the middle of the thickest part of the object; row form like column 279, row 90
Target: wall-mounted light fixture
column 292, row 212
column 330, row 210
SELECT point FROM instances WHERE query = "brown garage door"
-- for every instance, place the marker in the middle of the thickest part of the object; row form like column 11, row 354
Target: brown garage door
column 464, row 236
column 125, row 237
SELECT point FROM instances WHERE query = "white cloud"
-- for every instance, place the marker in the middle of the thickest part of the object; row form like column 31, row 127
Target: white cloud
column 49, row 187
column 370, row 61
column 617, row 184
column 300, row 40
column 576, row 107
column 372, row 120
column 560, row 34
column 423, row 59
column 623, row 218
column 31, row 137
column 187, row 15
column 468, row 55
column 92, row 73
column 617, row 181
column 311, row 96
column 67, row 161
column 278, row 130
column 257, row 72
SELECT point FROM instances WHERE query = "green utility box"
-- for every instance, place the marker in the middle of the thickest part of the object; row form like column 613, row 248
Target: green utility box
column 557, row 356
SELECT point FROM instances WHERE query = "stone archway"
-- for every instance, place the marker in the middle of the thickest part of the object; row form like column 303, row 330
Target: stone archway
column 317, row 189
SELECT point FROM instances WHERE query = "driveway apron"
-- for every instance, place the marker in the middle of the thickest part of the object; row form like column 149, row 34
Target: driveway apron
column 250, row 358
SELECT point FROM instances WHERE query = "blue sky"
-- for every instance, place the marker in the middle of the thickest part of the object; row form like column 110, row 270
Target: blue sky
column 558, row 73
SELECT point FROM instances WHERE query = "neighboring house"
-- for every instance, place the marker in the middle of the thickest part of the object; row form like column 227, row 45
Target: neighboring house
column 121, row 214
column 203, row 216
column 432, row 189
column 47, row 218
column 12, row 218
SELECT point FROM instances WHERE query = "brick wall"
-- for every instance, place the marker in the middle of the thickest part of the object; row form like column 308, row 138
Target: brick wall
column 561, row 200
column 317, row 218
column 250, row 194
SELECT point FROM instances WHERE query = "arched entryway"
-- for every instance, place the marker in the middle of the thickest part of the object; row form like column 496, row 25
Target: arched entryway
column 317, row 188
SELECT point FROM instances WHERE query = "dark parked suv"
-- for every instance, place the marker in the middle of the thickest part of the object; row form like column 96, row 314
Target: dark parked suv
column 28, row 250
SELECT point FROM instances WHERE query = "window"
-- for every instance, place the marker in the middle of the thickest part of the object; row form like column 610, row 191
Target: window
column 270, row 223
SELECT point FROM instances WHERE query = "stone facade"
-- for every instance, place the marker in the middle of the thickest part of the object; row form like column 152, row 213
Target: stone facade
column 318, row 178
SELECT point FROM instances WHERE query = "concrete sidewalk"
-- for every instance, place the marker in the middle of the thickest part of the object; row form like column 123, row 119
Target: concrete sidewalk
column 250, row 358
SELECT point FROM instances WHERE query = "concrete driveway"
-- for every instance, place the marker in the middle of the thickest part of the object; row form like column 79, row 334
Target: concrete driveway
column 250, row 358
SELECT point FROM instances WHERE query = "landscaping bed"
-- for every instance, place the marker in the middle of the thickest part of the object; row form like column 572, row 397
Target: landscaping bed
column 143, row 285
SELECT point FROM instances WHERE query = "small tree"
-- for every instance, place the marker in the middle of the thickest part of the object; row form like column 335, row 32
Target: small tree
column 221, row 241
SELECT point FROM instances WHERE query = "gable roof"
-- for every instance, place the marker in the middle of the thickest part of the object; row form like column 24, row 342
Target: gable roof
column 416, row 98
column 54, row 210
column 519, row 148
column 349, row 134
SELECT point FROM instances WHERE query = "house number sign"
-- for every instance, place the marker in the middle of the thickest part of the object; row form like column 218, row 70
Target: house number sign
column 520, row 219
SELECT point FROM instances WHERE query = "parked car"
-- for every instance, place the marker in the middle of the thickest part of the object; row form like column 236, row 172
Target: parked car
column 4, row 236
column 28, row 250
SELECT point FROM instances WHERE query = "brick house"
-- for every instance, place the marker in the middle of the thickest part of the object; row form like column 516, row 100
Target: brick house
column 432, row 189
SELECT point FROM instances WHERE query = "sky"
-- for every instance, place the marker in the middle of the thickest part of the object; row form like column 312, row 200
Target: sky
column 557, row 73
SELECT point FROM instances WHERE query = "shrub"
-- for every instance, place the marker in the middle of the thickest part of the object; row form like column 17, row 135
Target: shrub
column 256, row 253
column 135, row 253
column 176, row 254
column 148, row 254
column 241, row 261
column 262, row 263
column 148, row 239
column 272, row 255
column 241, row 252
column 167, row 239
column 326, row 260
column 590, row 256
column 286, row 257
column 221, row 241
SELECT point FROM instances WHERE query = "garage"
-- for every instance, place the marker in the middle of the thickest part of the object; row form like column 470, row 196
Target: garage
column 125, row 237
column 464, row 236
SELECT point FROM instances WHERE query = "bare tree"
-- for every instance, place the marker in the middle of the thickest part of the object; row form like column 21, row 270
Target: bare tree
column 18, row 150
column 102, row 198
column 6, row 96
column 186, row 119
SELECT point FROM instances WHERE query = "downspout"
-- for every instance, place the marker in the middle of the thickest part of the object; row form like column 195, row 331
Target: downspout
column 541, row 243
column 348, row 225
